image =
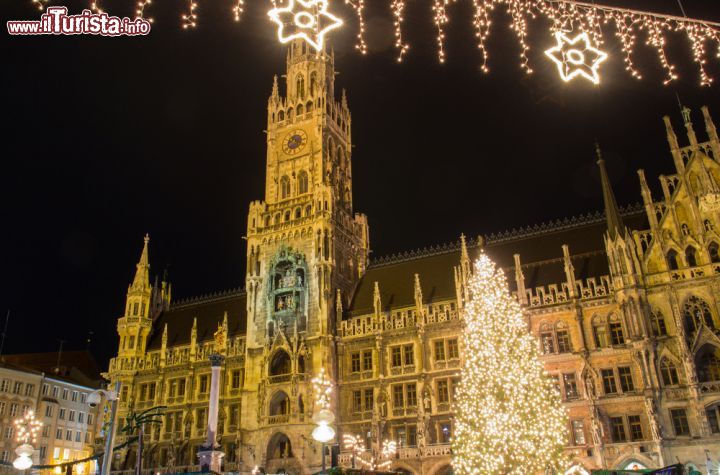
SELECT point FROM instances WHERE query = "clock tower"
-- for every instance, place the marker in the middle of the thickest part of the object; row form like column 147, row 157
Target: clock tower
column 306, row 251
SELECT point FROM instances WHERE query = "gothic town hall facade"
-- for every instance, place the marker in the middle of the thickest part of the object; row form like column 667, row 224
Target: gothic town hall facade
column 626, row 309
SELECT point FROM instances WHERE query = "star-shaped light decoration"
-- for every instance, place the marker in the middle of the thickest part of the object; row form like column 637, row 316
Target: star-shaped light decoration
column 306, row 20
column 576, row 57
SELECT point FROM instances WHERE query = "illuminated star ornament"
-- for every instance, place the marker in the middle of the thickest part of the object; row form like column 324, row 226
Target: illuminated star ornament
column 576, row 57
column 306, row 20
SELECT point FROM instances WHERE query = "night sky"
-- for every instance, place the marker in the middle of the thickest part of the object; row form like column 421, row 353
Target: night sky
column 105, row 139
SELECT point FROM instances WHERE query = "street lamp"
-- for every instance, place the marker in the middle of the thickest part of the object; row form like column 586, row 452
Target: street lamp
column 323, row 433
column 94, row 399
column 26, row 428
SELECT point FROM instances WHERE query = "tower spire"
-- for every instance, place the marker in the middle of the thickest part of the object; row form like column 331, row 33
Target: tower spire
column 612, row 214
column 142, row 274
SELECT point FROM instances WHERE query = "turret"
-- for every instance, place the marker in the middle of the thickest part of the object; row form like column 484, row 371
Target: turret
column 520, row 281
column 615, row 225
column 134, row 327
column 712, row 133
column 689, row 126
column 674, row 146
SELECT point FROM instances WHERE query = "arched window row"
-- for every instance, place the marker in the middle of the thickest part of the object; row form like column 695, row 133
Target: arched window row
column 691, row 256
column 300, row 109
column 302, row 185
column 297, row 213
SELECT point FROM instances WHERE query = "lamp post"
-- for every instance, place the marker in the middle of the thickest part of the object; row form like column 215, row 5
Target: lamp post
column 323, row 433
column 94, row 399
column 26, row 429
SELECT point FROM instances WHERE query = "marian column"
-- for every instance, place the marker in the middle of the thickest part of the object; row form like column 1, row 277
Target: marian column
column 210, row 458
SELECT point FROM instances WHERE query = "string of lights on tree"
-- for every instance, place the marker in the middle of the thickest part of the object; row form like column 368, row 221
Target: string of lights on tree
column 508, row 416
column 366, row 458
column 579, row 29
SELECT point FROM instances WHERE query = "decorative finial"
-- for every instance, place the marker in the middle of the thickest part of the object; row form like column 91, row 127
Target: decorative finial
column 147, row 238
column 686, row 114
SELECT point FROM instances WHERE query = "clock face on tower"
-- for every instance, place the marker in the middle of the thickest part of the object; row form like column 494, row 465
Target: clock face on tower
column 294, row 142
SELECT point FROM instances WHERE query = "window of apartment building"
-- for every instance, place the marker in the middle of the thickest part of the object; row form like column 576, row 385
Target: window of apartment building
column 123, row 394
column 87, row 437
column 45, row 389
column 657, row 323
column 439, row 350
column 30, row 390
column 43, row 452
column 443, row 391
column 368, row 399
column 5, row 385
column 636, row 428
column 357, row 401
column 201, row 420
column 234, row 415
column 9, row 432
column 235, row 380
column 626, row 381
column 65, row 394
column 444, row 432
column 5, row 456
column 71, row 416
column 578, row 432
column 68, row 435
column 2, row 408
column 78, row 436
column 46, row 431
column 66, row 454
column 56, row 453
column 680, row 421
column 48, row 411
column 617, row 429
column 25, row 409
column 58, row 433
column 83, row 397
column 56, row 391
column 555, row 338
column 367, row 363
column 61, row 414
column 403, row 355
column 177, row 387
column 556, row 382
column 203, row 385
column 616, row 332
column 17, row 387
column 608, row 379
column 74, row 396
column 406, row 436
column 713, row 419
column 405, row 395
column 89, row 419
column 570, row 386
column 669, row 373
column 355, row 362
column 13, row 409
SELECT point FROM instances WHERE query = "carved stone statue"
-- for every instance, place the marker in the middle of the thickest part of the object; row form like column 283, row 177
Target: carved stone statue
column 382, row 403
column 651, row 410
column 427, row 401
column 220, row 339
column 595, row 427
column 590, row 386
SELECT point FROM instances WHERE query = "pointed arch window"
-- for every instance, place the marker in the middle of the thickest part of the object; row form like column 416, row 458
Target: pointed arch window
column 281, row 115
column 714, row 251
column 303, row 184
column 708, row 225
column 300, row 110
column 691, row 256
column 696, row 312
column 669, row 373
column 657, row 323
column 280, row 364
column 672, row 259
column 617, row 337
column 708, row 364
column 284, row 187
column 300, row 87
column 313, row 82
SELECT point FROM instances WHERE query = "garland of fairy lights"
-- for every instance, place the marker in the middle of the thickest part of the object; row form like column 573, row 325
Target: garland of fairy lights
column 576, row 21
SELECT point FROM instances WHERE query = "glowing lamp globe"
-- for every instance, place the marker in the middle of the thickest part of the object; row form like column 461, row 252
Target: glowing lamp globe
column 323, row 433
column 324, row 416
column 23, row 462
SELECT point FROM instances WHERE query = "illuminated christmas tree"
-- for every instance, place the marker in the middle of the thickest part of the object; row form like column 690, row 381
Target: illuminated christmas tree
column 509, row 418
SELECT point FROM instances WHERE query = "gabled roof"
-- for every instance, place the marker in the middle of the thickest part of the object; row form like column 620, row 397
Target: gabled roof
column 77, row 367
column 540, row 249
column 209, row 312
